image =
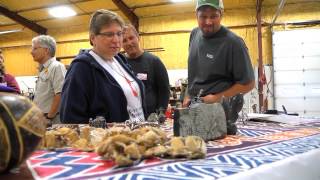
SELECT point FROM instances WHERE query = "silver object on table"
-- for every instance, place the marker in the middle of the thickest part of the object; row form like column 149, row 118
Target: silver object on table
column 98, row 122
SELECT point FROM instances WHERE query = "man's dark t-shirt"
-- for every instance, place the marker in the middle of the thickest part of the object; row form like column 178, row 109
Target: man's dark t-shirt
column 216, row 63
column 154, row 76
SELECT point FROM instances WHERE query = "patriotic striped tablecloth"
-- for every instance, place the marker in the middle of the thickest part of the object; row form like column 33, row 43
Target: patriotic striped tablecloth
column 259, row 148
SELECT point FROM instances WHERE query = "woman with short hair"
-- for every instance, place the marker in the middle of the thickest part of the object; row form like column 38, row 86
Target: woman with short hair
column 99, row 82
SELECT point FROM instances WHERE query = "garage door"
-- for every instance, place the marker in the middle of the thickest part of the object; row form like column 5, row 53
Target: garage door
column 296, row 60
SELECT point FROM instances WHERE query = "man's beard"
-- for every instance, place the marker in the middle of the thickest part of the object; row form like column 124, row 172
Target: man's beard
column 213, row 30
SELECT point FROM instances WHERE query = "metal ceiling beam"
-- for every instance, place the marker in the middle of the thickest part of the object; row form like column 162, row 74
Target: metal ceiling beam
column 280, row 7
column 23, row 21
column 133, row 18
column 260, row 60
column 53, row 18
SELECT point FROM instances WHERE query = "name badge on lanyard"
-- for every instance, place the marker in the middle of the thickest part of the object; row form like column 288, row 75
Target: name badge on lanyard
column 142, row 76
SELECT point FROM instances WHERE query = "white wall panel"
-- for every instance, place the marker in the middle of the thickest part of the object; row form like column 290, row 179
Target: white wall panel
column 299, row 104
column 288, row 77
column 296, row 61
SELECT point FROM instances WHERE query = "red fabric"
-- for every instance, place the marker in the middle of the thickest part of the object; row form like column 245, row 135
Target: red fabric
column 11, row 82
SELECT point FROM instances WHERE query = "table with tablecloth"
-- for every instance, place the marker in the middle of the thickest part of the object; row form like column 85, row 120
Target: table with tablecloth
column 259, row 151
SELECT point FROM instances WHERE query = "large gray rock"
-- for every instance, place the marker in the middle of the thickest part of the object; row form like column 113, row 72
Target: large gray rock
column 205, row 120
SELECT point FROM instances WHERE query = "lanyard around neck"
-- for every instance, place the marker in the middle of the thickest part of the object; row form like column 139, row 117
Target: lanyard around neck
column 122, row 74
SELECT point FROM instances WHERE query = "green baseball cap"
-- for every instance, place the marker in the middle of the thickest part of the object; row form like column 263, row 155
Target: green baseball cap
column 217, row 4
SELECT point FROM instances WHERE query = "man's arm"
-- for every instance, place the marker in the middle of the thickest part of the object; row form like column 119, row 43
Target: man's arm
column 57, row 80
column 54, row 106
column 186, row 101
column 233, row 90
column 162, row 83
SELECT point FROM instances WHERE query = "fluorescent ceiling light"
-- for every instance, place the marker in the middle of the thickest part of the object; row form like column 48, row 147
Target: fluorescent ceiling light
column 61, row 12
column 177, row 1
column 10, row 31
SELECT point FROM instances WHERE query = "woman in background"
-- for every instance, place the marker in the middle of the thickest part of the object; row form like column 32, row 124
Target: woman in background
column 8, row 82
column 98, row 82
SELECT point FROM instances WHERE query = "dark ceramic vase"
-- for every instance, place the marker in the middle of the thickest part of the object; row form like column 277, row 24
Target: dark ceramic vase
column 22, row 125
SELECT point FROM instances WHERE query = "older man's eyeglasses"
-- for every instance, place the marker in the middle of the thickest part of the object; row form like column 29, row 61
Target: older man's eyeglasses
column 111, row 34
column 35, row 48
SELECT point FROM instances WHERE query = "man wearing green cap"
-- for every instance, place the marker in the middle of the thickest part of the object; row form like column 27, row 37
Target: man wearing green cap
column 218, row 63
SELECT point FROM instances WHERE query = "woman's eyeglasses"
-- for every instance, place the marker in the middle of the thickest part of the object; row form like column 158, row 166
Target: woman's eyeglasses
column 111, row 34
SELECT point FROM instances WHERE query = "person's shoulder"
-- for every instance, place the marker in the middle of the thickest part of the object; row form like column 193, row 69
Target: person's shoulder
column 9, row 76
column 233, row 37
column 83, row 57
column 121, row 57
column 82, row 61
column 57, row 64
column 195, row 34
column 152, row 57
column 195, row 30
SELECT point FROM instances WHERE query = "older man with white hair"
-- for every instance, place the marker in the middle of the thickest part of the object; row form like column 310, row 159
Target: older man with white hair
column 51, row 77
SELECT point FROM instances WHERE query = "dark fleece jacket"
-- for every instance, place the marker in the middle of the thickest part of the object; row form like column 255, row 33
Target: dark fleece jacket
column 89, row 91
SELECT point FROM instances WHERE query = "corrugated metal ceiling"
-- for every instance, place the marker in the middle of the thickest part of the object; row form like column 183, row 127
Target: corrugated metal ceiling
column 37, row 10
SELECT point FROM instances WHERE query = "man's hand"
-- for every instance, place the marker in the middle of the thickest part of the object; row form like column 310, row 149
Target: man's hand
column 48, row 119
column 211, row 98
column 48, row 116
column 186, row 101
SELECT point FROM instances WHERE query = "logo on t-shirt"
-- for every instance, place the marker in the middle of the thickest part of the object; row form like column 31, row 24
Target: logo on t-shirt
column 210, row 56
